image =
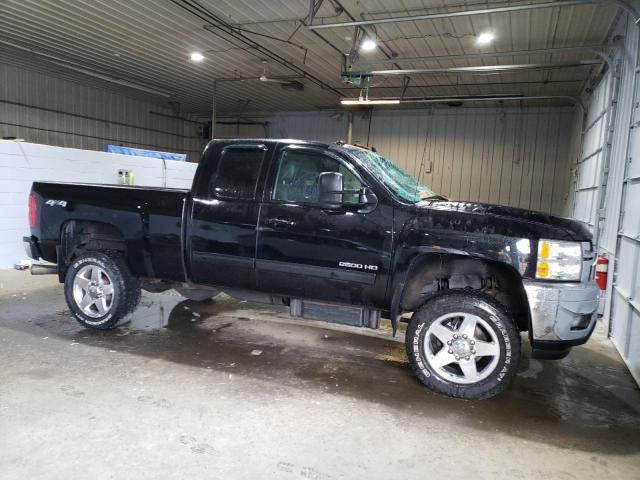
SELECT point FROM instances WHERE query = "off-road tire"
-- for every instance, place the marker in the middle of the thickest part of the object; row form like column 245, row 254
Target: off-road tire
column 126, row 287
column 474, row 303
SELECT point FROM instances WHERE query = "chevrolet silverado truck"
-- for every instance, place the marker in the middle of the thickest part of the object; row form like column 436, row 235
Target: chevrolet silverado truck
column 335, row 232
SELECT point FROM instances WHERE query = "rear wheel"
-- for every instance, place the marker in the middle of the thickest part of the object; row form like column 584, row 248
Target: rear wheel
column 100, row 290
column 463, row 344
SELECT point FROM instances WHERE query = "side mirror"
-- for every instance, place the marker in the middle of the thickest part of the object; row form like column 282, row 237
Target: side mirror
column 330, row 189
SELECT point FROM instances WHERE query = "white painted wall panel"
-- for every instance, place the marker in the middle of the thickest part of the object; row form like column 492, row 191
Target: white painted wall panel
column 628, row 279
column 620, row 230
column 625, row 332
column 634, row 141
column 23, row 163
column 593, row 153
column 620, row 223
column 627, row 111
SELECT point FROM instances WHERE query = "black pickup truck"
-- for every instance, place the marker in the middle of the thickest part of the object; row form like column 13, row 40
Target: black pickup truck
column 336, row 232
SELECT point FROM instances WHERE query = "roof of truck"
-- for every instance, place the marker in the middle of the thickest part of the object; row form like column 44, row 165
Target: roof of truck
column 336, row 145
column 268, row 140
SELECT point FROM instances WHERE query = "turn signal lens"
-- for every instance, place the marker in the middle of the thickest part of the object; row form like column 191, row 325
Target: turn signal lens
column 543, row 270
column 559, row 260
column 543, row 250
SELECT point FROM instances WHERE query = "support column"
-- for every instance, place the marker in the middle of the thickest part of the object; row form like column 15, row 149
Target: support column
column 213, row 110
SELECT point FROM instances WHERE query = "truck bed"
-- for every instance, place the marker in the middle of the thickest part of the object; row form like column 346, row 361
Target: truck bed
column 148, row 219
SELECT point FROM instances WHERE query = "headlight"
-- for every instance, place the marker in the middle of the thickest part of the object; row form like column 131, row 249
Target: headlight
column 559, row 260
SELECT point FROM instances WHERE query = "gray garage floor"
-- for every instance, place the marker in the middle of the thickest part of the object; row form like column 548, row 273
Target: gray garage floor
column 238, row 391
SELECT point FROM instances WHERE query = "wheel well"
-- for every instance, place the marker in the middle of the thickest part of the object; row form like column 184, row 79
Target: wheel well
column 430, row 274
column 79, row 236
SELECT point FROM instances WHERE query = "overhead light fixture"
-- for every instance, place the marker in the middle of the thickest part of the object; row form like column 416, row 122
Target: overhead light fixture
column 485, row 38
column 366, row 101
column 368, row 45
column 196, row 57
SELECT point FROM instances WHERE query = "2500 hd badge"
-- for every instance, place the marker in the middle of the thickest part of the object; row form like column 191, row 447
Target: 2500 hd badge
column 359, row 266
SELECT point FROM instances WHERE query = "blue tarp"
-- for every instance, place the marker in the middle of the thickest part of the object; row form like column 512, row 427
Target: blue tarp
column 139, row 152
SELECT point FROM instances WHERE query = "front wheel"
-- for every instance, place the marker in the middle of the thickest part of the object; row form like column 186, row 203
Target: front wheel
column 463, row 344
column 100, row 290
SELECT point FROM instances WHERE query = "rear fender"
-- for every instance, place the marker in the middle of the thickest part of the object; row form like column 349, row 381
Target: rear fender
column 77, row 236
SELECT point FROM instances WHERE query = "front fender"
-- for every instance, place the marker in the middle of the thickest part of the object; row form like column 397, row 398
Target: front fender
column 417, row 239
column 425, row 257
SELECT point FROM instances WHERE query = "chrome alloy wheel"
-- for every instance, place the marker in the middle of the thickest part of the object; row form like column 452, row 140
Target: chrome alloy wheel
column 93, row 291
column 462, row 348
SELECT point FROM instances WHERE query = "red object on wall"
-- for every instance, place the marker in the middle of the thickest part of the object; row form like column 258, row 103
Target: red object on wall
column 602, row 269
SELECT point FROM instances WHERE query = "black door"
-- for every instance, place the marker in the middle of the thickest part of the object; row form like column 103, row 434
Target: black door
column 310, row 252
column 224, row 218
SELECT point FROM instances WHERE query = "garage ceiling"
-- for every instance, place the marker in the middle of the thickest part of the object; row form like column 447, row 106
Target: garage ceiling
column 146, row 45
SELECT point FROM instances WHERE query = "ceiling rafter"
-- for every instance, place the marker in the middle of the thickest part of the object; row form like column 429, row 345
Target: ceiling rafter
column 149, row 44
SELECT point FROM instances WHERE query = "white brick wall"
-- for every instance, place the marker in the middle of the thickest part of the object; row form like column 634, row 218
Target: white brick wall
column 23, row 163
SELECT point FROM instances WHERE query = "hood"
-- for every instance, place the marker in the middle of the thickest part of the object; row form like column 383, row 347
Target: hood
column 486, row 218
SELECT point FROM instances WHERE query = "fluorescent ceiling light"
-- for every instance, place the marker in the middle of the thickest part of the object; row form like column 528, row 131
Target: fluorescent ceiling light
column 368, row 44
column 197, row 57
column 485, row 38
column 366, row 101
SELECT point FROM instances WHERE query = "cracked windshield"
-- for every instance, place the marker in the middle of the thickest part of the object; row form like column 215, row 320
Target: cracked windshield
column 397, row 180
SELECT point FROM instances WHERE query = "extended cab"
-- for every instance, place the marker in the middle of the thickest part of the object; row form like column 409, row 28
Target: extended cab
column 335, row 232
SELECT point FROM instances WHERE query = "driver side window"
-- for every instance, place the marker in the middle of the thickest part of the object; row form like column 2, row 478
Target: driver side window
column 297, row 178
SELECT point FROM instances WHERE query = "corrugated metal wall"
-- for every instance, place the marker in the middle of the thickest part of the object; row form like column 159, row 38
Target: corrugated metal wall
column 619, row 188
column 575, row 152
column 230, row 128
column 511, row 156
column 42, row 108
column 321, row 126
column 588, row 178
column 621, row 232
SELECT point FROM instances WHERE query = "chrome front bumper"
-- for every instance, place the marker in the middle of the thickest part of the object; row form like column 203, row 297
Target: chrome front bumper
column 562, row 312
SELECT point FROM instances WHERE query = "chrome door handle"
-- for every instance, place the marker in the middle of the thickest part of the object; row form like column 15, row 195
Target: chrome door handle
column 279, row 222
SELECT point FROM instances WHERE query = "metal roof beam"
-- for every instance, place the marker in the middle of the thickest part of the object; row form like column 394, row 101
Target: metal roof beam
column 467, row 56
column 483, row 11
column 475, row 84
column 483, row 98
column 479, row 69
column 257, row 49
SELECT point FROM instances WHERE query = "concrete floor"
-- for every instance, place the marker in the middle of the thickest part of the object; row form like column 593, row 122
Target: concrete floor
column 223, row 393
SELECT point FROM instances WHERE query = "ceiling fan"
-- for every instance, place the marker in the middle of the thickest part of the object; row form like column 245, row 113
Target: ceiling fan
column 285, row 83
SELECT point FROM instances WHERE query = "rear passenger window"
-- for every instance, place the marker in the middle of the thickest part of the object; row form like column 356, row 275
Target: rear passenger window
column 238, row 172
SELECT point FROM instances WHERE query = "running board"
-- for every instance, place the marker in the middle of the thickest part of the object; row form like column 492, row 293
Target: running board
column 331, row 312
